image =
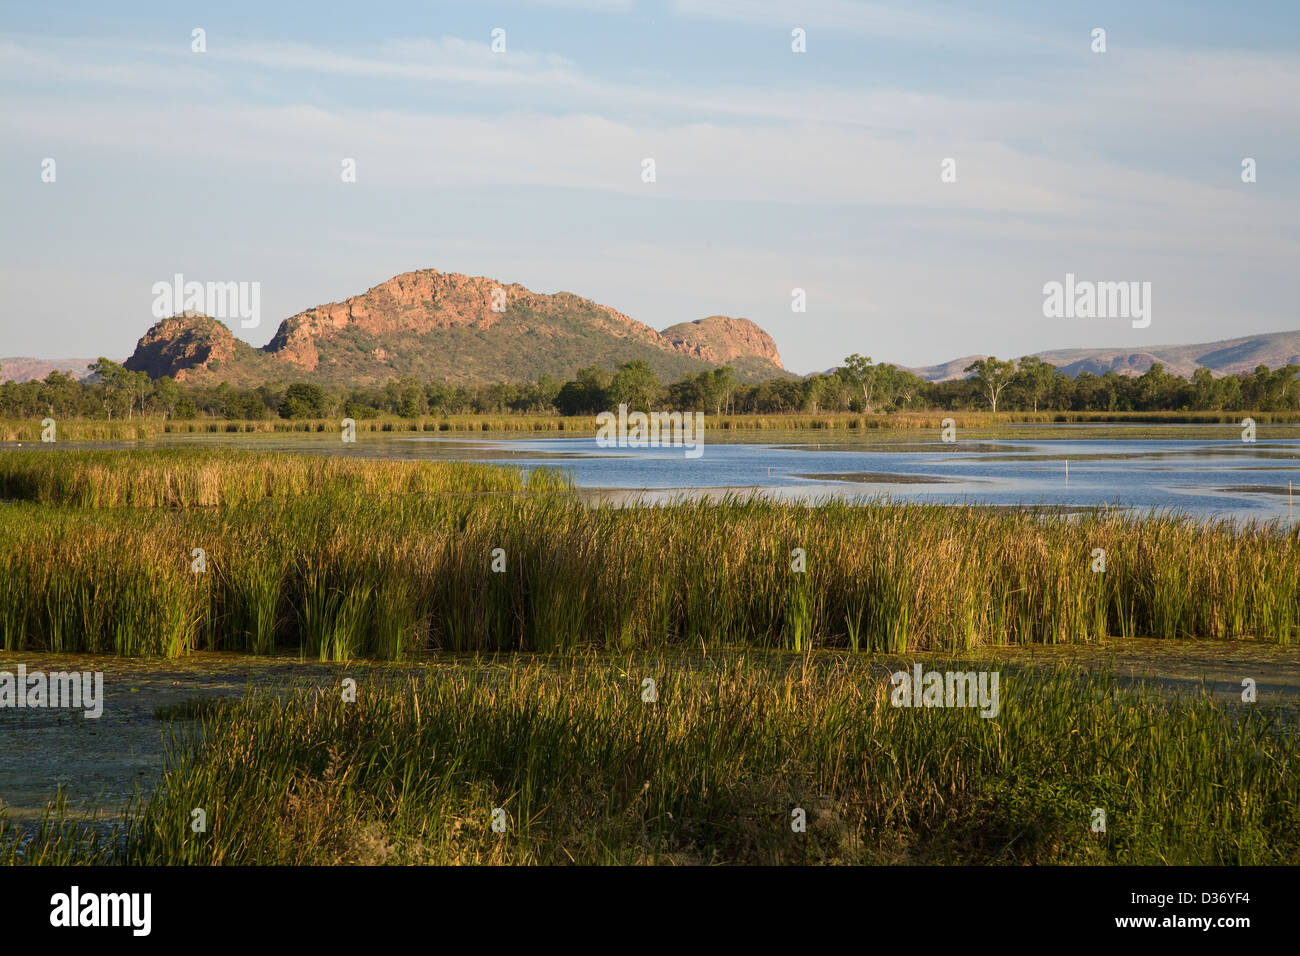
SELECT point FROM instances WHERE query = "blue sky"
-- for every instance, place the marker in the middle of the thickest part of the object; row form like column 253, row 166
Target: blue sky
column 775, row 170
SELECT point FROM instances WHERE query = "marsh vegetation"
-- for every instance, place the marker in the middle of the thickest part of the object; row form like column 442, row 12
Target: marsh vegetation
column 772, row 695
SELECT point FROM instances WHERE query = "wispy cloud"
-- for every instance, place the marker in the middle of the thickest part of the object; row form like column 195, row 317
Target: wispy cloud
column 614, row 6
column 445, row 59
column 914, row 21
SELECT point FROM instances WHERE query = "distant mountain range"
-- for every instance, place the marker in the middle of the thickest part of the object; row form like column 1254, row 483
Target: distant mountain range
column 1227, row 357
column 22, row 369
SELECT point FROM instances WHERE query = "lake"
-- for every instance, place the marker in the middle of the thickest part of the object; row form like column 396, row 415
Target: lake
column 1208, row 478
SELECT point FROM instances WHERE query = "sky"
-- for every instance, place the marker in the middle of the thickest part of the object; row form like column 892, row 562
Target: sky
column 775, row 170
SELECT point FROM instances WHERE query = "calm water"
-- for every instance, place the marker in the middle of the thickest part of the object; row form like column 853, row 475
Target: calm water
column 1208, row 478
column 1168, row 474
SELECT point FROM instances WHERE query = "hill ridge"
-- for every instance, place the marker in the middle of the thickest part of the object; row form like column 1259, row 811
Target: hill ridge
column 447, row 325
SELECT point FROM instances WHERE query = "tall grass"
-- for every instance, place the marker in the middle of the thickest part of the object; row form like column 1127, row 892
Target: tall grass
column 187, row 477
column 371, row 567
column 586, row 772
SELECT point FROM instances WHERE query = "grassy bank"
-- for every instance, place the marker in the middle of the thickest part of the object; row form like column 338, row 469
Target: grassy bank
column 353, row 571
column 155, row 428
column 584, row 770
column 188, row 477
column 148, row 429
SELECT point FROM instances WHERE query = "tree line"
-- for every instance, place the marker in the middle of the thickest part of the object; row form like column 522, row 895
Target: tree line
column 859, row 385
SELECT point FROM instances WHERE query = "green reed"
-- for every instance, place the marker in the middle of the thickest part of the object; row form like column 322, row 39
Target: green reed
column 190, row 477
column 587, row 772
column 343, row 563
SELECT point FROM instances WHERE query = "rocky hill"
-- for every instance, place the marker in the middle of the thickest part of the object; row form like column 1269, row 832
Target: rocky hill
column 454, row 328
column 191, row 345
column 722, row 340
